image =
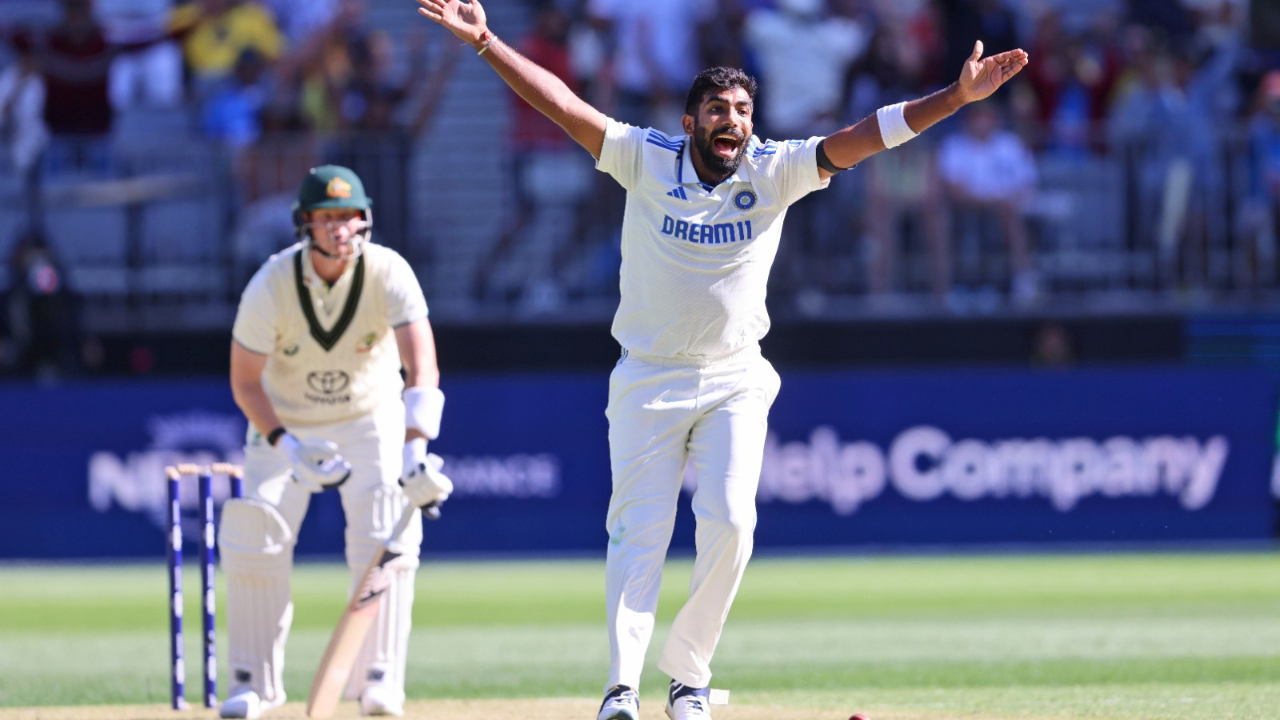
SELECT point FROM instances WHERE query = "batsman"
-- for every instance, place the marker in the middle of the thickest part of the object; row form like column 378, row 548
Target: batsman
column 321, row 335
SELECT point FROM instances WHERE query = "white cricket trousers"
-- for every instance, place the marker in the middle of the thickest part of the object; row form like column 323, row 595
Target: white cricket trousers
column 661, row 415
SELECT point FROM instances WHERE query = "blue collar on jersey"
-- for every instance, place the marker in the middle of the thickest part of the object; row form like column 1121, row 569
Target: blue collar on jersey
column 684, row 168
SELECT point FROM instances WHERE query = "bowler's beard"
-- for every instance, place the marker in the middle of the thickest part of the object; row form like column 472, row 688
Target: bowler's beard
column 716, row 164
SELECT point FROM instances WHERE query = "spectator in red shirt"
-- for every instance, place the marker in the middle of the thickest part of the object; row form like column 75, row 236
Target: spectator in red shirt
column 74, row 58
column 1072, row 84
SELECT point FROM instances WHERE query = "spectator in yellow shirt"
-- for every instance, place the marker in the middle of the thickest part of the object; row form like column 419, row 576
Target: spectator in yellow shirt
column 216, row 32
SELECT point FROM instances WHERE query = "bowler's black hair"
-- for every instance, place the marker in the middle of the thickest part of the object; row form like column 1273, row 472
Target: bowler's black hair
column 718, row 78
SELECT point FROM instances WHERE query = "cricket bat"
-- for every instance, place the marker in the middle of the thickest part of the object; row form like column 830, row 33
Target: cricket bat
column 348, row 636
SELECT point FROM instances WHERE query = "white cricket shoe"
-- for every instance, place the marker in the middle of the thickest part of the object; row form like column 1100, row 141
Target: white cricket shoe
column 377, row 700
column 242, row 703
column 620, row 703
column 688, row 703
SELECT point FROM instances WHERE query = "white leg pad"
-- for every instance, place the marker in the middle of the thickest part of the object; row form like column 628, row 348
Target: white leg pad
column 256, row 545
column 383, row 656
column 385, row 651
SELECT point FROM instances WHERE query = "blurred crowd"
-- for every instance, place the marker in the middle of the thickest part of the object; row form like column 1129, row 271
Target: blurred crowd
column 1160, row 87
column 280, row 85
column 285, row 84
column 1165, row 90
column 1171, row 96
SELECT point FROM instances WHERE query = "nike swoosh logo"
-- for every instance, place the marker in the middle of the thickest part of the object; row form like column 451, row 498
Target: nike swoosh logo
column 369, row 597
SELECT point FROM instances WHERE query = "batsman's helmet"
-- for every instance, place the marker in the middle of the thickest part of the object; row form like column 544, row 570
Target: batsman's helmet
column 332, row 186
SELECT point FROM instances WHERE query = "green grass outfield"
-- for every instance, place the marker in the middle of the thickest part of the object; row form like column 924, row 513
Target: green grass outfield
column 1177, row 636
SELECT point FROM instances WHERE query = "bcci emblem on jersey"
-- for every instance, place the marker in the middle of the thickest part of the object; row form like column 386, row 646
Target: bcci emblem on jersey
column 330, row 384
column 745, row 200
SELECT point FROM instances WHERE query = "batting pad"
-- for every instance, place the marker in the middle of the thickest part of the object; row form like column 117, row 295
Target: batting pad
column 257, row 551
column 370, row 519
column 384, row 653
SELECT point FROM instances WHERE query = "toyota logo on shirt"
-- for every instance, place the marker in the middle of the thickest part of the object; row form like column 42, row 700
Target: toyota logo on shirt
column 328, row 382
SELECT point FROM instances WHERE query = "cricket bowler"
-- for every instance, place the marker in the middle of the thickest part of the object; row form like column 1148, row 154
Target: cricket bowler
column 700, row 231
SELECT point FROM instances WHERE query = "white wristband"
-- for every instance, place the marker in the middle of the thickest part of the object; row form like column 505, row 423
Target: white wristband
column 422, row 409
column 894, row 129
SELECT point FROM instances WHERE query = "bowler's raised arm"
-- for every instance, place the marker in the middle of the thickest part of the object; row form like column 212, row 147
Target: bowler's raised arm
column 893, row 125
column 538, row 86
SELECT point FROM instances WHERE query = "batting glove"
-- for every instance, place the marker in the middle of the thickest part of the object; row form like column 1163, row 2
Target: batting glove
column 316, row 464
column 424, row 485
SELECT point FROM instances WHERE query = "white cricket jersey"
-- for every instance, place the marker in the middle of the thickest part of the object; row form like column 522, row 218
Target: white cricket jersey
column 331, row 350
column 696, row 259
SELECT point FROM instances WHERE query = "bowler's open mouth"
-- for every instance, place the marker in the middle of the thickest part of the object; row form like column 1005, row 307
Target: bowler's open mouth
column 726, row 144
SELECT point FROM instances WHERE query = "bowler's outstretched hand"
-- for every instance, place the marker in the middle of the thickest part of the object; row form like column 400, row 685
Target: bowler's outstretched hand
column 981, row 76
column 466, row 20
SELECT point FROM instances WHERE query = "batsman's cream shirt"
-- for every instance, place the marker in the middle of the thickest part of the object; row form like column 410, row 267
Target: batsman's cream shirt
column 695, row 258
column 331, row 350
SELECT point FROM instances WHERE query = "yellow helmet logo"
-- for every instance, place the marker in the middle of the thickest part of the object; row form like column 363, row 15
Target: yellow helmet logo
column 338, row 188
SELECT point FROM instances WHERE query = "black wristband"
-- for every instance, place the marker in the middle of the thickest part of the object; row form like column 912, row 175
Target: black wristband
column 274, row 436
column 825, row 163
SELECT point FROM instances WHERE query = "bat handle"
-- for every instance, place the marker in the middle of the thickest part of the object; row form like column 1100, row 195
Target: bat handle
column 432, row 511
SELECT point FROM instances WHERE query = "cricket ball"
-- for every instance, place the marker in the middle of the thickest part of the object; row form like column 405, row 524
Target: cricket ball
column 859, row 716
